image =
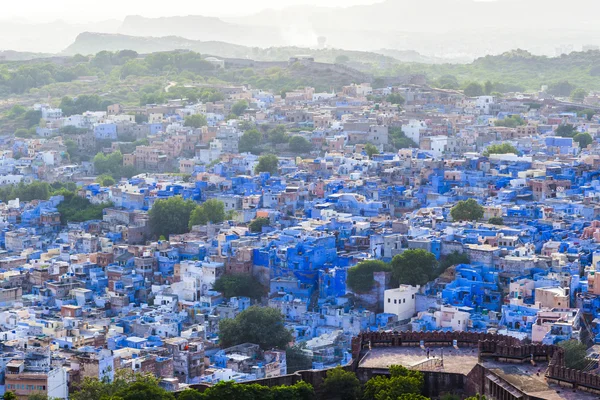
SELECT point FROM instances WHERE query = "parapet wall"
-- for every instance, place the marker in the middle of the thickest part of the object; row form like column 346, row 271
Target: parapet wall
column 559, row 373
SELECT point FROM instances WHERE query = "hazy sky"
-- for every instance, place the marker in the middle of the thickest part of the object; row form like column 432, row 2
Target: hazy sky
column 95, row 10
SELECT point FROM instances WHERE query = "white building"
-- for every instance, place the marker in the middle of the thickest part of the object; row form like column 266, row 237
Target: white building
column 401, row 301
column 483, row 104
column 452, row 317
column 414, row 129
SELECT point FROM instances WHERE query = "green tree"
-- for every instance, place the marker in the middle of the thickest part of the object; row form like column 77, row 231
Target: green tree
column 583, row 139
column 467, row 210
column 399, row 139
column 575, row 354
column 258, row 223
column 105, row 180
column 9, row 396
column 448, row 82
column 278, row 135
column 578, row 95
column 260, row 325
column 342, row 59
column 111, row 164
column 239, row 285
column 78, row 209
column 38, row 396
column 561, row 89
column 340, row 385
column 477, row 397
column 402, row 382
column 451, row 259
column 496, row 221
column 414, row 267
column 170, row 216
column 195, row 121
column 566, row 130
column 473, row 89
column 190, row 394
column 488, row 87
column 32, row 118
column 588, row 113
column 197, row 217
column 214, row 210
column 15, row 112
column 298, row 358
column 144, row 391
column 504, row 148
column 395, row 98
column 510, row 122
column 298, row 144
column 267, row 163
column 250, row 142
column 371, row 150
column 360, row 277
column 235, row 391
column 239, row 107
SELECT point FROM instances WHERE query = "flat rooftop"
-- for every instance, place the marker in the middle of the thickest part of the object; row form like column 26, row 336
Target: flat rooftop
column 462, row 360
column 457, row 361
column 525, row 377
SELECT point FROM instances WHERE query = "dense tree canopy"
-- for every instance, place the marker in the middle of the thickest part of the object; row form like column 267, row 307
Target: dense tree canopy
column 360, row 277
column 575, row 353
column 414, row 267
column 473, row 89
column 341, row 385
column 299, row 144
column 195, row 121
column 467, row 210
column 257, row 224
column 395, row 98
column 399, row 140
column 250, row 142
column 239, row 107
column 401, row 382
column 267, row 163
column 211, row 210
column 260, row 325
column 79, row 209
column 298, row 358
column 170, row 216
column 496, row 221
column 510, row 122
column 239, row 285
column 583, row 139
column 453, row 258
column 504, row 148
column 371, row 150
column 566, row 130
column 80, row 104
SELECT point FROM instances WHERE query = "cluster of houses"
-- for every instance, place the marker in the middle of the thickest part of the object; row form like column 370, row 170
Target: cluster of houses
column 89, row 299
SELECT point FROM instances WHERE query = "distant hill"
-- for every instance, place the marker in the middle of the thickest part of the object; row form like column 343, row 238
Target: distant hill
column 92, row 43
column 11, row 55
column 197, row 27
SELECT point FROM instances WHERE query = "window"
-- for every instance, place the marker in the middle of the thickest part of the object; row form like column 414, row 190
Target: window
column 395, row 301
column 403, row 300
column 389, row 300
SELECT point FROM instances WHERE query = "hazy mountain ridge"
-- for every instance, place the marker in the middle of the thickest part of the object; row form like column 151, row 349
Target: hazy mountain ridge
column 92, row 43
